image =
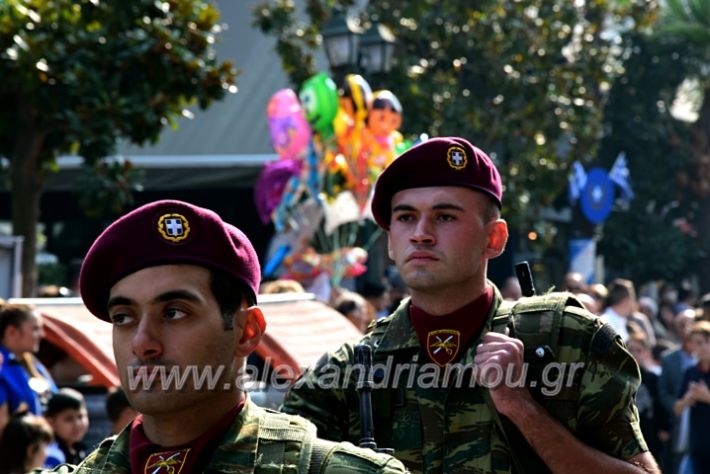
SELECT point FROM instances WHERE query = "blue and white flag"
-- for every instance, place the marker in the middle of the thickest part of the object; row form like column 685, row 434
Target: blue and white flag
column 577, row 181
column 619, row 174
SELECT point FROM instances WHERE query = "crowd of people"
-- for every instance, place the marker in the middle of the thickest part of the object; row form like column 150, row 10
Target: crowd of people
column 41, row 425
column 668, row 333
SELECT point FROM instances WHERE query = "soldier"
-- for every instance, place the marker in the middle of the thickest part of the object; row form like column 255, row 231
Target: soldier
column 179, row 286
column 503, row 410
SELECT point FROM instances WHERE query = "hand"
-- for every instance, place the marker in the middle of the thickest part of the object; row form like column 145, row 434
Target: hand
column 499, row 365
column 699, row 391
column 688, row 399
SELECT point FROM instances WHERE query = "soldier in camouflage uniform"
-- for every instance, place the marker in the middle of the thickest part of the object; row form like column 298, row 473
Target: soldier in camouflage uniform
column 465, row 382
column 179, row 286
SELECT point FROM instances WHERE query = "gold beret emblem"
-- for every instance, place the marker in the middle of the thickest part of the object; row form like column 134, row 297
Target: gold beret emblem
column 456, row 157
column 173, row 227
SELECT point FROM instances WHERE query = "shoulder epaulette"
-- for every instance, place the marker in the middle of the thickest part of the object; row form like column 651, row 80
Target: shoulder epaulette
column 536, row 320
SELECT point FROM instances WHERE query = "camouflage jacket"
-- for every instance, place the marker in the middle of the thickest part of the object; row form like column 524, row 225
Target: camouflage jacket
column 260, row 441
column 578, row 369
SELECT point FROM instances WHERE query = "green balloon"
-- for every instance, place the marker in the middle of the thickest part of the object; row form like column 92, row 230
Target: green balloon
column 319, row 99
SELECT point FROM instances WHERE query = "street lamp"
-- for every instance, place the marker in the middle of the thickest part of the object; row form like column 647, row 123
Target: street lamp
column 350, row 50
column 341, row 37
column 376, row 48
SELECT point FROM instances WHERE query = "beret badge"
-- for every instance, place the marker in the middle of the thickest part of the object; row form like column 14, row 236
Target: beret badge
column 173, row 227
column 456, row 157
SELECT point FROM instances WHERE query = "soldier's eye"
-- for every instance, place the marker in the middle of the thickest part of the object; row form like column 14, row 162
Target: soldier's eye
column 120, row 319
column 404, row 217
column 175, row 313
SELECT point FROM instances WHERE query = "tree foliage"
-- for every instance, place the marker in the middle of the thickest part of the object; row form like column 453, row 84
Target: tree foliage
column 526, row 81
column 77, row 75
column 638, row 121
column 688, row 22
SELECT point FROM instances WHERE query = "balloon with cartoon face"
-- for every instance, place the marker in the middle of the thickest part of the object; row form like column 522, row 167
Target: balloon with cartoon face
column 385, row 114
column 355, row 97
column 383, row 122
column 290, row 132
column 319, row 98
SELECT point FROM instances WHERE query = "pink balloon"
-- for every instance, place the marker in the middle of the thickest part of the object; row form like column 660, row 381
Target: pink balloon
column 290, row 132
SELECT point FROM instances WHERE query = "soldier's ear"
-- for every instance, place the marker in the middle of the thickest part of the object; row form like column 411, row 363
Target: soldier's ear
column 497, row 238
column 389, row 247
column 249, row 327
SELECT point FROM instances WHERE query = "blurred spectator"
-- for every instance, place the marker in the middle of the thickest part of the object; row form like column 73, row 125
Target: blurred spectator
column 662, row 348
column 665, row 317
column 68, row 417
column 281, row 286
column 23, row 444
column 511, row 289
column 589, row 302
column 649, row 308
column 599, row 293
column 119, row 410
column 574, row 283
column 652, row 415
column 378, row 295
column 683, row 318
column 669, row 294
column 694, row 395
column 673, row 366
column 620, row 303
column 704, row 307
column 25, row 384
column 355, row 308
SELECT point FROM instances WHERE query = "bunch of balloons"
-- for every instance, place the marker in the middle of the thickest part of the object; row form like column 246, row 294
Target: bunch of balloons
column 330, row 142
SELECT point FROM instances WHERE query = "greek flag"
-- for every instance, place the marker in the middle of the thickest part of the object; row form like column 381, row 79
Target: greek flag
column 619, row 174
column 577, row 181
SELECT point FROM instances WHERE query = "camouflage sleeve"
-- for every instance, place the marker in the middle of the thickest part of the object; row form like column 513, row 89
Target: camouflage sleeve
column 347, row 458
column 319, row 395
column 608, row 418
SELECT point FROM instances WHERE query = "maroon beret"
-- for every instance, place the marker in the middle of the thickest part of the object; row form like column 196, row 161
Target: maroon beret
column 443, row 161
column 165, row 233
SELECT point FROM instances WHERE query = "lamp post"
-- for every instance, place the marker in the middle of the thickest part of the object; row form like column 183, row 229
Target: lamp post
column 349, row 49
column 376, row 48
column 341, row 35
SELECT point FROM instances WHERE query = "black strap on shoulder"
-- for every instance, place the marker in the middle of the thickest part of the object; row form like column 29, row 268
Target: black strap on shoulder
column 524, row 457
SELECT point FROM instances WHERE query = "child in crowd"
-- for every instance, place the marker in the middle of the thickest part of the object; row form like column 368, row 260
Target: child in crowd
column 67, row 414
column 23, row 444
column 119, row 411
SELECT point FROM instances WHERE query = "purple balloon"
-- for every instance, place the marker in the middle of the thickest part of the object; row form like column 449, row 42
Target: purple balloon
column 270, row 186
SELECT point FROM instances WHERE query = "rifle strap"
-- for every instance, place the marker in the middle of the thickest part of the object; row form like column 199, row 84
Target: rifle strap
column 524, row 457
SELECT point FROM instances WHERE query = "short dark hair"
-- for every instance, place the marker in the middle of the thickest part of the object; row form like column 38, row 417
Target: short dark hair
column 13, row 315
column 22, row 433
column 229, row 293
column 65, row 399
column 116, row 402
column 619, row 290
column 491, row 212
